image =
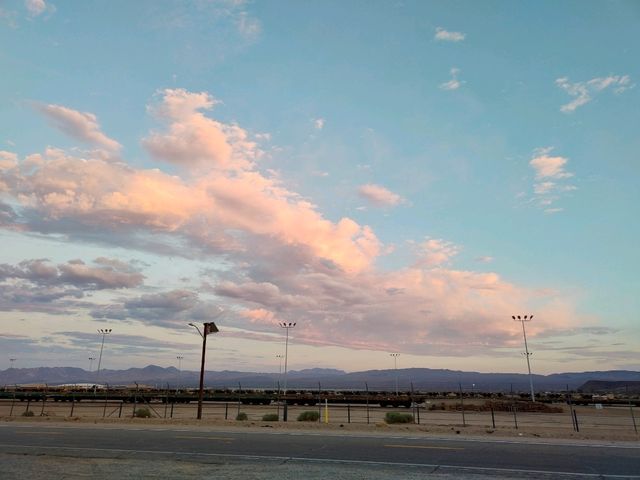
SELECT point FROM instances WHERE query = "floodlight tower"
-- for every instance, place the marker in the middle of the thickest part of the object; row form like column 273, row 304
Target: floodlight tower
column 179, row 358
column 287, row 326
column 527, row 354
column 279, row 357
column 395, row 368
column 104, row 332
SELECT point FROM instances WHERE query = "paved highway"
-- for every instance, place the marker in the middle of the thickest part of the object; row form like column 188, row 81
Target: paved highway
column 264, row 447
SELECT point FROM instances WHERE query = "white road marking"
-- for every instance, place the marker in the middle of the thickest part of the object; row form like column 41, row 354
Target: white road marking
column 423, row 446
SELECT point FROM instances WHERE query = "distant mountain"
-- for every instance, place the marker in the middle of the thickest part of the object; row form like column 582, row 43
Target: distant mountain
column 604, row 386
column 424, row 379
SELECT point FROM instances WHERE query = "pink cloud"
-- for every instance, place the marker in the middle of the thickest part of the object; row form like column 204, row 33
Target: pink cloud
column 549, row 167
column 35, row 7
column 82, row 126
column 415, row 310
column 259, row 315
column 220, row 209
column 286, row 260
column 193, row 140
column 379, row 196
column 436, row 252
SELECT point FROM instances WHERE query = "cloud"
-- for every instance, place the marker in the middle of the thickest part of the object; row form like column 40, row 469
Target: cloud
column 440, row 310
column 227, row 205
column 584, row 91
column 276, row 256
column 79, row 125
column 165, row 309
column 218, row 14
column 318, row 123
column 551, row 175
column 435, row 252
column 39, row 285
column 193, row 140
column 454, row 83
column 263, row 293
column 259, row 315
column 8, row 160
column 484, row 259
column 446, row 36
column 35, row 7
column 123, row 343
column 107, row 274
column 546, row 166
column 379, row 196
column 249, row 27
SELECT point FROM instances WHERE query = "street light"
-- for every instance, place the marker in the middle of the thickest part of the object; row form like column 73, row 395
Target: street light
column 526, row 318
column 287, row 326
column 279, row 357
column 104, row 332
column 395, row 368
column 208, row 328
column 91, row 359
column 12, row 361
column 179, row 357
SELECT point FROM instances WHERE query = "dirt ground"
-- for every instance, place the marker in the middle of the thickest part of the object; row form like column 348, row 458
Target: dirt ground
column 611, row 424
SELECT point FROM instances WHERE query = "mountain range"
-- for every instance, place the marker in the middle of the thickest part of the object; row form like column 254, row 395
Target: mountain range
column 424, row 379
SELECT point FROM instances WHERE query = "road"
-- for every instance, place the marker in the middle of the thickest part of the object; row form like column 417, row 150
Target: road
column 263, row 451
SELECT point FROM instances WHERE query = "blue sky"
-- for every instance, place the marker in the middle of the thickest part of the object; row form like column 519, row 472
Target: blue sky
column 484, row 154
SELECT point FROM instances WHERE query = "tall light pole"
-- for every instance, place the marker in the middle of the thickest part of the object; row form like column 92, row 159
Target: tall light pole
column 287, row 326
column 395, row 368
column 208, row 328
column 11, row 362
column 91, row 359
column 526, row 318
column 104, row 332
column 179, row 358
column 279, row 357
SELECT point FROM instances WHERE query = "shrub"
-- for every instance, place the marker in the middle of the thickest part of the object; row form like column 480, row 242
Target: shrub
column 397, row 417
column 308, row 417
column 28, row 413
column 143, row 412
column 241, row 417
column 270, row 417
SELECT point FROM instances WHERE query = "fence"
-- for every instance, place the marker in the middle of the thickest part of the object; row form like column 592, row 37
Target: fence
column 450, row 413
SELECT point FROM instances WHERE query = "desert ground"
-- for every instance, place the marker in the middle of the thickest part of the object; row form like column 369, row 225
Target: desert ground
column 605, row 424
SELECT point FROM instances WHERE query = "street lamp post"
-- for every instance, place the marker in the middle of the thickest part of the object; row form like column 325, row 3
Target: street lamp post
column 287, row 326
column 527, row 354
column 208, row 328
column 179, row 358
column 91, row 359
column 279, row 357
column 11, row 362
column 104, row 332
column 395, row 368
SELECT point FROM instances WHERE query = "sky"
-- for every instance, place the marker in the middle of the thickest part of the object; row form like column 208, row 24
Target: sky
column 392, row 176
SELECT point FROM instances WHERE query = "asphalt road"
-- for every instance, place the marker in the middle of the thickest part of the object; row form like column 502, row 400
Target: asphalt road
column 395, row 454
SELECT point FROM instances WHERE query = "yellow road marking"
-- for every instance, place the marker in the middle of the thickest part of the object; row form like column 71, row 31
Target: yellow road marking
column 424, row 446
column 207, row 438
